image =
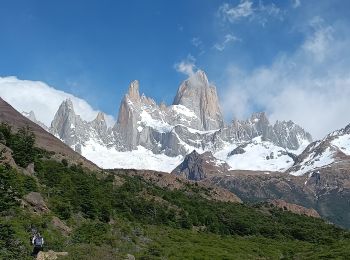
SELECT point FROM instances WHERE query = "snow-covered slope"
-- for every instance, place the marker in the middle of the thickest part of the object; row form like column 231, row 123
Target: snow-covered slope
column 332, row 149
column 257, row 155
column 141, row 158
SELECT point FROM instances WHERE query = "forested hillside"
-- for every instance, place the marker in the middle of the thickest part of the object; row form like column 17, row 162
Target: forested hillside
column 110, row 214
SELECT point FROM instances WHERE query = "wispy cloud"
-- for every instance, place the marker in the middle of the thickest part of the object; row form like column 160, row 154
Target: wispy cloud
column 234, row 13
column 229, row 38
column 320, row 40
column 196, row 42
column 250, row 10
column 311, row 86
column 186, row 66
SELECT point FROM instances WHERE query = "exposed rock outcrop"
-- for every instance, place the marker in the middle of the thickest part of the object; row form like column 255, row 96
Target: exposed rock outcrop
column 50, row 255
column 6, row 156
column 61, row 226
column 36, row 202
column 297, row 209
column 200, row 166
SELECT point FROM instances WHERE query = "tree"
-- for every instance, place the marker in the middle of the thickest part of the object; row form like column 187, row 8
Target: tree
column 22, row 144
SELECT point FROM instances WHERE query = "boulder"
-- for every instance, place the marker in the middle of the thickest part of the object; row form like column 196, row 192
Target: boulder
column 61, row 226
column 50, row 255
column 36, row 202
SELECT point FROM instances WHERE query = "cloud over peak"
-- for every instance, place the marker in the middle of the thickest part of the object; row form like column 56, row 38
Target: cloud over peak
column 37, row 96
column 186, row 66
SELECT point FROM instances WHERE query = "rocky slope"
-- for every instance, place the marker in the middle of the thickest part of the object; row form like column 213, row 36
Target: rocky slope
column 326, row 190
column 297, row 209
column 200, row 166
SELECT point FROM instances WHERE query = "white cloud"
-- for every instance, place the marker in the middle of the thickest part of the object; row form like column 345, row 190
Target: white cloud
column 247, row 9
column 310, row 86
column 186, row 66
column 229, row 38
column 234, row 13
column 320, row 40
column 26, row 95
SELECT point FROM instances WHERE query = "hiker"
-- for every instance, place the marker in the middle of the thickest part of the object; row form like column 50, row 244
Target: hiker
column 38, row 243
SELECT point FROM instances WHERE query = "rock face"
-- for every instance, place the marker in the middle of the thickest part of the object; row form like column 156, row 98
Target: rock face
column 6, row 156
column 200, row 166
column 36, row 202
column 199, row 96
column 61, row 226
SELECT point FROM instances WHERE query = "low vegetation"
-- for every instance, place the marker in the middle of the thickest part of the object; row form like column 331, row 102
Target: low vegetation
column 113, row 213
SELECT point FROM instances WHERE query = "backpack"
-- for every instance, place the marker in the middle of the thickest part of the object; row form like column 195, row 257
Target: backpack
column 38, row 241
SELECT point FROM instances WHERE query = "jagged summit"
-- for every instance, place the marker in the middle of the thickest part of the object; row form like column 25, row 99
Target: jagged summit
column 31, row 116
column 100, row 116
column 198, row 95
column 133, row 92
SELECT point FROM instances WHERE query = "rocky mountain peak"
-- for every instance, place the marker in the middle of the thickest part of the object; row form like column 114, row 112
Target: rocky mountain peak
column 64, row 121
column 65, row 114
column 100, row 116
column 68, row 105
column 260, row 117
column 100, row 125
column 197, row 166
column 30, row 115
column 133, row 92
column 199, row 79
column 199, row 96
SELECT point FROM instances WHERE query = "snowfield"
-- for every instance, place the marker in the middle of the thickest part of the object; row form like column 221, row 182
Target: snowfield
column 343, row 143
column 258, row 156
column 141, row 159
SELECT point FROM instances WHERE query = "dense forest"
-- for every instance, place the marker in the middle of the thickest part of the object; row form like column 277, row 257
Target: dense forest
column 115, row 213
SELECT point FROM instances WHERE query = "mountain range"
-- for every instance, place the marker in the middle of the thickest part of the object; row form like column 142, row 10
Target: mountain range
column 155, row 136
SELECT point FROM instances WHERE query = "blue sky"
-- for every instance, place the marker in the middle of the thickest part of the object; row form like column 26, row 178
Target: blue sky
column 94, row 49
